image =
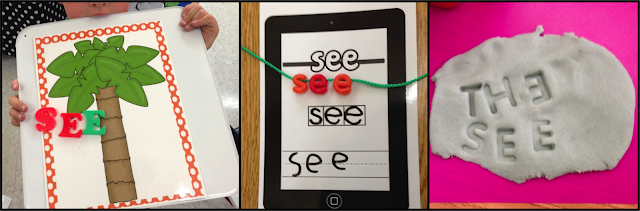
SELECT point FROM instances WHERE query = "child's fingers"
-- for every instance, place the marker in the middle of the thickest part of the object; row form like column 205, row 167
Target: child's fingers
column 15, row 115
column 17, row 104
column 15, row 85
column 196, row 18
column 203, row 21
column 15, row 122
column 188, row 8
column 189, row 15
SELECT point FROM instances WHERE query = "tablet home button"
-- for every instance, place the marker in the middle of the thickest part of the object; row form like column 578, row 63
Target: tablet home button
column 334, row 201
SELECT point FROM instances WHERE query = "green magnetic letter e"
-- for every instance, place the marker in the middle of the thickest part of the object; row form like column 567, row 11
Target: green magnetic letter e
column 91, row 122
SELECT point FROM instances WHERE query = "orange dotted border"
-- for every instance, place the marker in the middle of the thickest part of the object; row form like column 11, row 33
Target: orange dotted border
column 175, row 99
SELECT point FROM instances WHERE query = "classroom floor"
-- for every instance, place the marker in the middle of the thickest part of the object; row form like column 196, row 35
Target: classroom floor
column 223, row 59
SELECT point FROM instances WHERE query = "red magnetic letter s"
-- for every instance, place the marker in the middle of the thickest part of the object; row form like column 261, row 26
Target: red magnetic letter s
column 301, row 87
column 45, row 116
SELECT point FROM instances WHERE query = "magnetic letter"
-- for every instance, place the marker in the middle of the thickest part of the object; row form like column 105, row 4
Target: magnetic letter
column 342, row 84
column 67, row 123
column 301, row 86
column 45, row 116
column 318, row 84
column 91, row 122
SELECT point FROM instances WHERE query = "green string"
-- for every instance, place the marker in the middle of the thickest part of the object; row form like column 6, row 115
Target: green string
column 356, row 80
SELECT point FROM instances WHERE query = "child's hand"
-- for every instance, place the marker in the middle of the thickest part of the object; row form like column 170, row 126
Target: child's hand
column 17, row 107
column 193, row 15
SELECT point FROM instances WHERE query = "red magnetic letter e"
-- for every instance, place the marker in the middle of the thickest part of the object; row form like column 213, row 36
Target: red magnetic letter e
column 67, row 123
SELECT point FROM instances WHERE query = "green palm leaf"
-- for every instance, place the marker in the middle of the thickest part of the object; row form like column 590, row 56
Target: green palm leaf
column 97, row 44
column 99, row 65
column 130, row 90
column 115, row 41
column 63, row 86
column 91, row 81
column 64, row 66
column 83, row 46
column 79, row 100
column 146, row 75
column 139, row 55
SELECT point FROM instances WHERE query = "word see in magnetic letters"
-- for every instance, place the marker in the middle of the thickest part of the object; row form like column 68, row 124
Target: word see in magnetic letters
column 318, row 84
column 45, row 117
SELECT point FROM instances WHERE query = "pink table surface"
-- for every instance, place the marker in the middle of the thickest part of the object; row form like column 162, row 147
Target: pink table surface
column 461, row 28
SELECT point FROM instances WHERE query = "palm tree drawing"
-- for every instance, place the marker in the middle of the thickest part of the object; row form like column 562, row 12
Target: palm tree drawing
column 110, row 72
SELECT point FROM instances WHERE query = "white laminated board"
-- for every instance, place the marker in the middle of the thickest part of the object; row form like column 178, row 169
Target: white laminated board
column 184, row 118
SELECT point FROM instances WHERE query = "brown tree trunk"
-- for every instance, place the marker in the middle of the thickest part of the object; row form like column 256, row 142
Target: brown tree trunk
column 115, row 153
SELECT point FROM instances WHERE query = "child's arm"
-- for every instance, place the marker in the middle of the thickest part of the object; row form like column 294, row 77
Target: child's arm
column 193, row 15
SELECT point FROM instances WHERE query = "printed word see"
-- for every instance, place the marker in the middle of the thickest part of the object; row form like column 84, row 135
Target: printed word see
column 334, row 61
column 348, row 115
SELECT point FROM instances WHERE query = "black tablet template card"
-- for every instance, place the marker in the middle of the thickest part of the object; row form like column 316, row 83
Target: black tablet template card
column 334, row 150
